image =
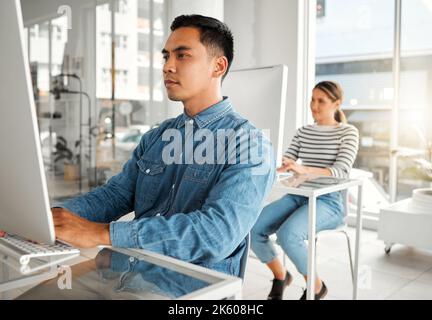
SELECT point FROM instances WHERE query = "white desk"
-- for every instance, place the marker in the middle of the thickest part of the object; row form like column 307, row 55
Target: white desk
column 313, row 192
column 127, row 274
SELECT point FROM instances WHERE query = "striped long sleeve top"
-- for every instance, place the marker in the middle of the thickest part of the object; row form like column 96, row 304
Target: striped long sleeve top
column 332, row 147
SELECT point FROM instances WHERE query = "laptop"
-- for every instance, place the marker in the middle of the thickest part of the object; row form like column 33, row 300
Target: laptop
column 24, row 205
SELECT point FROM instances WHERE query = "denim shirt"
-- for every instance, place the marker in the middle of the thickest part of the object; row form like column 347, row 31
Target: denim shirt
column 196, row 212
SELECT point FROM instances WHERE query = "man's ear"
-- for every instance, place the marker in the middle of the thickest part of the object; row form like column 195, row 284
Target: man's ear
column 221, row 66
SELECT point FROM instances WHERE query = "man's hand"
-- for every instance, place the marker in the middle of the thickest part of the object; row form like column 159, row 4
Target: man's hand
column 2, row 233
column 78, row 231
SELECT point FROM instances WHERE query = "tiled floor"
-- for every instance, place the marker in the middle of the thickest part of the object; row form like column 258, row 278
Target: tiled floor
column 406, row 273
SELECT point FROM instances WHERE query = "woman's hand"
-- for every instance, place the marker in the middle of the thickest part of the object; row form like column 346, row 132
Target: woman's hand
column 290, row 165
column 296, row 168
column 286, row 162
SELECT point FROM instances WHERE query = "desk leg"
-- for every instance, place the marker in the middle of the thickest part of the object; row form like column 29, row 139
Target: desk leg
column 311, row 249
column 237, row 296
column 3, row 278
column 358, row 239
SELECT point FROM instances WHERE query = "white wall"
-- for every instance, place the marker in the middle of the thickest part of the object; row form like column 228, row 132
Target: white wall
column 211, row 8
column 241, row 19
column 270, row 33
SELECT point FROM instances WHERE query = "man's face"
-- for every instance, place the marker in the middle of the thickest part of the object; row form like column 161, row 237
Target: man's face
column 188, row 69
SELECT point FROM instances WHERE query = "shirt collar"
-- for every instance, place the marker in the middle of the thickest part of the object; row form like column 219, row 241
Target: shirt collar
column 209, row 115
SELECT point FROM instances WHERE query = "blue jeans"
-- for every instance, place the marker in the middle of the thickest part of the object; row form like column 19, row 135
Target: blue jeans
column 288, row 218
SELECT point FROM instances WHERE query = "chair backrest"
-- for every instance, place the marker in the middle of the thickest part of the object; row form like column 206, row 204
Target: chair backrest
column 354, row 174
column 244, row 258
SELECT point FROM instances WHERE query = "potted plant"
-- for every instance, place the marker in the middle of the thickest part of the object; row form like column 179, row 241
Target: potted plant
column 70, row 160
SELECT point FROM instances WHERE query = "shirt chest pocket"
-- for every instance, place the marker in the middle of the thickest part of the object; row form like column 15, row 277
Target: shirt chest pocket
column 198, row 173
column 150, row 179
column 194, row 185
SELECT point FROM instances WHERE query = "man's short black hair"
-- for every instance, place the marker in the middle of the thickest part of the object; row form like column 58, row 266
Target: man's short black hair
column 214, row 34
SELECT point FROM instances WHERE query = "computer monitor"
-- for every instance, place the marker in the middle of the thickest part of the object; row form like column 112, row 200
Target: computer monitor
column 24, row 204
column 259, row 95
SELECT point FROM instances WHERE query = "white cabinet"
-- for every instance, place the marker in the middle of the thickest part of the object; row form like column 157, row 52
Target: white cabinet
column 405, row 223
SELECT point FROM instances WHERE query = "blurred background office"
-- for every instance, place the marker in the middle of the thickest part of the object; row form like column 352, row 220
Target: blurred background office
column 96, row 69
column 113, row 49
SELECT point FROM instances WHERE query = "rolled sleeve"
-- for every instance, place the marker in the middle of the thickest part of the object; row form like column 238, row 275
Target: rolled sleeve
column 124, row 234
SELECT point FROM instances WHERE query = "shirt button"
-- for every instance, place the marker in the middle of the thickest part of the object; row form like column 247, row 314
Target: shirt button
column 191, row 121
column 147, row 171
column 158, row 214
column 172, row 187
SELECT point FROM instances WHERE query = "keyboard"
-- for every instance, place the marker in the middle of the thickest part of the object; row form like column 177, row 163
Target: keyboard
column 23, row 250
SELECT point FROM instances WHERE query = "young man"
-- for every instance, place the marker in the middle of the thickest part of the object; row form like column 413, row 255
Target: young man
column 198, row 212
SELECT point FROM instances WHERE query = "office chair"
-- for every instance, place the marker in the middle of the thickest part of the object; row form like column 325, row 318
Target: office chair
column 354, row 174
column 339, row 229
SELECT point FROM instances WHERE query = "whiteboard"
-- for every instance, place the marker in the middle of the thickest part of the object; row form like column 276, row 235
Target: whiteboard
column 259, row 95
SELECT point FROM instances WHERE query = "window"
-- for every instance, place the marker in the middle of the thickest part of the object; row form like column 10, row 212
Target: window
column 103, row 51
column 355, row 48
column 121, row 41
column 133, row 42
column 138, row 39
column 39, row 56
column 143, row 9
column 143, row 42
column 414, row 165
column 320, row 8
column 58, row 43
column 143, row 76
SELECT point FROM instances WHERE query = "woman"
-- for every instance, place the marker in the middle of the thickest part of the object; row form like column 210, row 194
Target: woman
column 326, row 148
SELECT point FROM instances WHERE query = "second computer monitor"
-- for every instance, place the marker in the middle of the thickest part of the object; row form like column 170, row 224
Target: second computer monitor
column 259, row 95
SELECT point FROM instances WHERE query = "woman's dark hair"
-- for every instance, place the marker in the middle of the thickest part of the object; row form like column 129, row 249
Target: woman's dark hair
column 334, row 92
column 214, row 34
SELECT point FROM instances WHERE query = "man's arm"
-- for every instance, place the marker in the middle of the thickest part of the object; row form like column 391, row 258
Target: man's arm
column 84, row 221
column 114, row 199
